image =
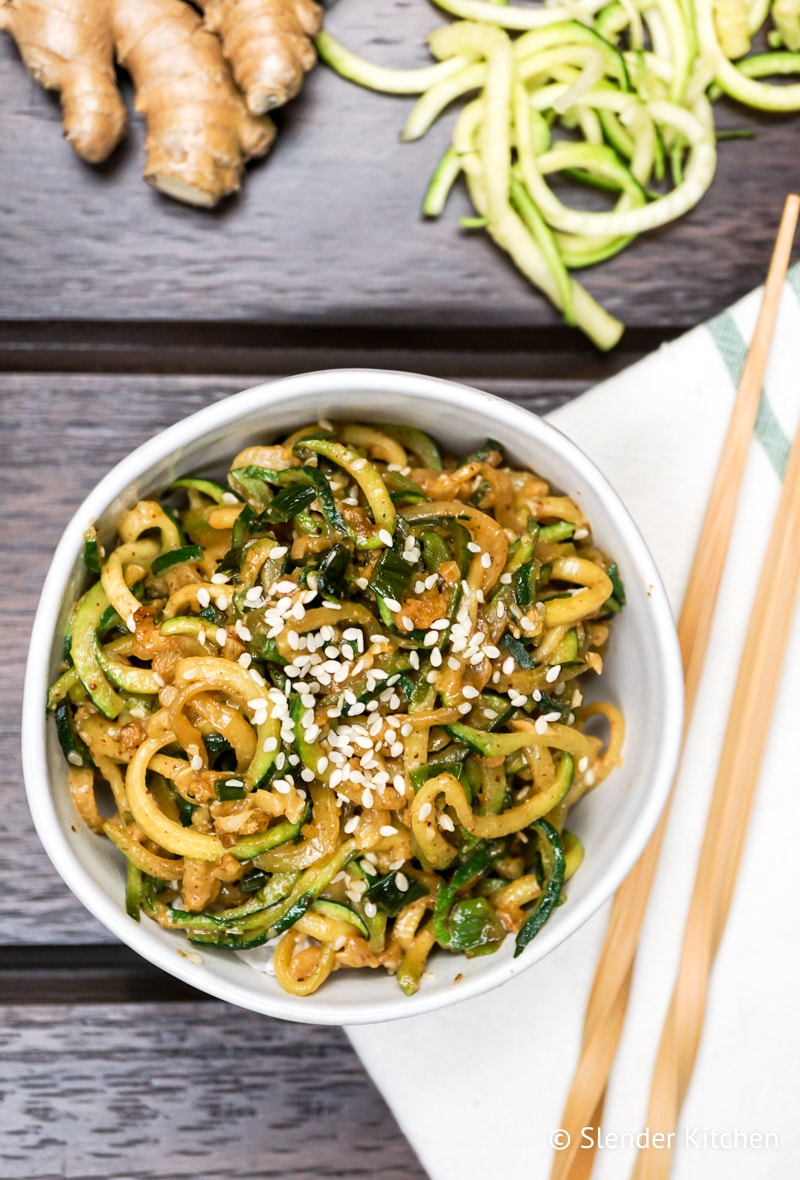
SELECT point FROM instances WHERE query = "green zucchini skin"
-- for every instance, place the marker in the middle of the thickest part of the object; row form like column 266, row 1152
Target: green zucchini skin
column 342, row 913
column 84, row 652
column 551, row 893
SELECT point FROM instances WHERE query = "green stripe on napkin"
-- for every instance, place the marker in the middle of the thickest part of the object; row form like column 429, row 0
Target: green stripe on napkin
column 733, row 349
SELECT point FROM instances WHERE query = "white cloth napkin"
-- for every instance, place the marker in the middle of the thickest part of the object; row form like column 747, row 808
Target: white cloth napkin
column 479, row 1088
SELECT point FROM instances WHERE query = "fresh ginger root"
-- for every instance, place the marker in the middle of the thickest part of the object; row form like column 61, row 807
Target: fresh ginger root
column 66, row 48
column 200, row 130
column 268, row 44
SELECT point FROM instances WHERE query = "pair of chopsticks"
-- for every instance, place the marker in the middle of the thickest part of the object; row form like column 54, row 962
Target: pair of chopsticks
column 737, row 776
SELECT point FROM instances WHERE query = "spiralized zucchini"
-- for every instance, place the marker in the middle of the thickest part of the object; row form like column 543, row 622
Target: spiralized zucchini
column 337, row 704
column 606, row 96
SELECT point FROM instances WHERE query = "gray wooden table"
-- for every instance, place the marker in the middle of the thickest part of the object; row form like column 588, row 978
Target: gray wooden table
column 120, row 313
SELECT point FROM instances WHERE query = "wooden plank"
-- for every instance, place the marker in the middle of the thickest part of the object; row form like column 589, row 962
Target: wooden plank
column 328, row 230
column 60, row 434
column 162, row 1092
column 256, row 350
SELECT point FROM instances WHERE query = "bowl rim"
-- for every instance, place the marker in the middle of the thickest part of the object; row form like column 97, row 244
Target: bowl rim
column 316, row 1009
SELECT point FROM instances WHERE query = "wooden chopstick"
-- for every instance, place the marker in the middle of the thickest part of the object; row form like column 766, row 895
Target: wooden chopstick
column 608, row 999
column 726, row 827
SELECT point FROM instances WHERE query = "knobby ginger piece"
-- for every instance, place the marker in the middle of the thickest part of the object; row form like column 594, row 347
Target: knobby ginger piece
column 199, row 131
column 268, row 44
column 68, row 46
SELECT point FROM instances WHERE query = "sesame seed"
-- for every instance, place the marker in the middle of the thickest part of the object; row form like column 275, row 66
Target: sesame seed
column 473, row 547
column 159, row 679
column 278, row 551
column 505, row 579
column 407, row 623
column 386, row 537
column 508, row 666
column 203, row 597
column 270, row 744
column 583, row 764
column 74, row 758
column 387, row 830
column 446, row 824
column 307, row 775
column 401, row 881
column 425, row 811
column 220, row 637
column 413, row 659
column 436, row 658
column 553, row 673
column 131, row 623
column 367, row 798
column 536, row 694
column 358, row 464
column 407, row 729
column 551, row 717
column 464, row 709
column 370, row 909
column 470, row 692
column 330, row 605
column 589, row 778
column 222, row 601
column 580, row 534
column 229, row 498
column 392, row 604
column 220, row 579
column 540, row 725
column 431, row 638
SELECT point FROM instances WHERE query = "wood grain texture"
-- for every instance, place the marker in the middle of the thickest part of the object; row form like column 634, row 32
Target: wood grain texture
column 327, row 230
column 60, row 434
column 163, row 1092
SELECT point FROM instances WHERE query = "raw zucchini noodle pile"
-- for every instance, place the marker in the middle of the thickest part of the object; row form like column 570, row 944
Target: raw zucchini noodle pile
column 337, row 702
column 611, row 96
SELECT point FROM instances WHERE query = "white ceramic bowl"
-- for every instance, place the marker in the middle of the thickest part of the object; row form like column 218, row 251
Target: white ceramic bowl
column 643, row 675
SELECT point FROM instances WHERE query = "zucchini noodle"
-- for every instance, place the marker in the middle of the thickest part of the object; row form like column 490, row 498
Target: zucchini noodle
column 610, row 95
column 336, row 703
